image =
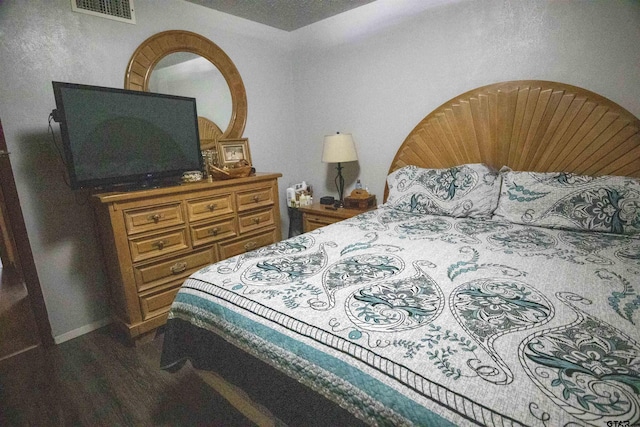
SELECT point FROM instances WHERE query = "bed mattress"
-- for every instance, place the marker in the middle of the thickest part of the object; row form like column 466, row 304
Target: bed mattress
column 408, row 319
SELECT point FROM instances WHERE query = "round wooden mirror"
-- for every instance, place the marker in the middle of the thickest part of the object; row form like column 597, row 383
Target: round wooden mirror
column 151, row 51
column 188, row 74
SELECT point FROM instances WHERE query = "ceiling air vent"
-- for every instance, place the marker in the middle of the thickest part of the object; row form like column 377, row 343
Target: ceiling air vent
column 120, row 10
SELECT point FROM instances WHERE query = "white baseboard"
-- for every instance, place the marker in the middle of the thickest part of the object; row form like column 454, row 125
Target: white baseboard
column 82, row 330
column 24, row 350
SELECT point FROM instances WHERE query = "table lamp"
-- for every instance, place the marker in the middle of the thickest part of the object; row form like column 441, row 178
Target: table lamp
column 339, row 148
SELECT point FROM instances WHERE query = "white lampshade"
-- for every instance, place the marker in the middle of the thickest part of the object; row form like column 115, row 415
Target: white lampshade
column 339, row 148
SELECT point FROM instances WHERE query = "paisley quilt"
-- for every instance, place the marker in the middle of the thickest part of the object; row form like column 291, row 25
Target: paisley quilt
column 408, row 319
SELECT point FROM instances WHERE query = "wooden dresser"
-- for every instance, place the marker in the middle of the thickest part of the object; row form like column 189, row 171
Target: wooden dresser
column 153, row 239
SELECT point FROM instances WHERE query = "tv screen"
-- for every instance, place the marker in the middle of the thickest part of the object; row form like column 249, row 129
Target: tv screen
column 116, row 137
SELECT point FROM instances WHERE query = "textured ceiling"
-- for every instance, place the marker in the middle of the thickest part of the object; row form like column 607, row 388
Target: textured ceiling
column 286, row 15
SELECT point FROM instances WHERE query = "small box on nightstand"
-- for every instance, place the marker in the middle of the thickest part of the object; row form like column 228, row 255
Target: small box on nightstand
column 360, row 199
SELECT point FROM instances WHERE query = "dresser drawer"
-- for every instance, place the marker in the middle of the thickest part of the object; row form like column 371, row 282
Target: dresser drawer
column 153, row 218
column 210, row 207
column 147, row 247
column 151, row 275
column 255, row 198
column 312, row 222
column 255, row 220
column 237, row 247
column 213, row 231
column 157, row 303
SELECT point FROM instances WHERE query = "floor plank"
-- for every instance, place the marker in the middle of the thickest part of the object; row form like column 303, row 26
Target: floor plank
column 98, row 380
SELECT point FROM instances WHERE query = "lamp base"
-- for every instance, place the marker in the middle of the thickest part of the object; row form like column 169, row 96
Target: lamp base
column 340, row 187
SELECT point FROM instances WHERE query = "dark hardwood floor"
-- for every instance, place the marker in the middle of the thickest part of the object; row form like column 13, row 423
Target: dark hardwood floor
column 98, row 380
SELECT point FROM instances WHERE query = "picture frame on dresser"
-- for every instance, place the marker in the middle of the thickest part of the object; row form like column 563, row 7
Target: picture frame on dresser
column 231, row 151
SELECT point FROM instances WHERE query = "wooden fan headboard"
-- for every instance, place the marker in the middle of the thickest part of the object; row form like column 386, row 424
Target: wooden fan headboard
column 527, row 125
column 209, row 133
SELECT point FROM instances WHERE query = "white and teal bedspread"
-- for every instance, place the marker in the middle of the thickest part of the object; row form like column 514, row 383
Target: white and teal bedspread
column 432, row 320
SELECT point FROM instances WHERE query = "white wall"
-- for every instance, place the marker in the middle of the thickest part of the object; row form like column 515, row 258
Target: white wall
column 374, row 71
column 378, row 80
column 41, row 41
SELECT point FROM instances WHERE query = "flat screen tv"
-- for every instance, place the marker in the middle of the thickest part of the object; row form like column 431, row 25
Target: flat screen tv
column 122, row 139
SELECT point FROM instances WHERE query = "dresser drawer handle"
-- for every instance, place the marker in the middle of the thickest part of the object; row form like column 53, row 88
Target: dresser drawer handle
column 159, row 244
column 251, row 245
column 212, row 206
column 256, row 220
column 256, row 198
column 155, row 217
column 214, row 231
column 178, row 267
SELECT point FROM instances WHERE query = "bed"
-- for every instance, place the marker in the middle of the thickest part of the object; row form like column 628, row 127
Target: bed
column 499, row 283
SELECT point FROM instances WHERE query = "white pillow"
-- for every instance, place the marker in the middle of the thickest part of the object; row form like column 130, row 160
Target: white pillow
column 573, row 202
column 470, row 190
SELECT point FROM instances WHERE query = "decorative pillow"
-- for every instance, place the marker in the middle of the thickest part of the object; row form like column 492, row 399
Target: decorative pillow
column 574, row 202
column 462, row 191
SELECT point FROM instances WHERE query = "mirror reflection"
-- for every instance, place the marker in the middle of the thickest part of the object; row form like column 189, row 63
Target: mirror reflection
column 188, row 74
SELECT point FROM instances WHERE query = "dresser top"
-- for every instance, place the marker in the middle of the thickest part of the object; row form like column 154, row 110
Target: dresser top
column 120, row 196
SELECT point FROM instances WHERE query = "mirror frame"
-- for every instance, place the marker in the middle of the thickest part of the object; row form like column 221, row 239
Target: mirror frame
column 156, row 47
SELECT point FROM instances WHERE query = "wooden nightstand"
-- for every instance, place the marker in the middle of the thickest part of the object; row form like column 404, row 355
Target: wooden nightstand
column 317, row 215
